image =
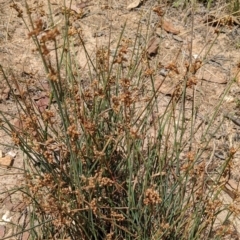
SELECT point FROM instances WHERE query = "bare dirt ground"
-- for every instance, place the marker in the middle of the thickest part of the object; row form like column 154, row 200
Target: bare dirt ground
column 221, row 57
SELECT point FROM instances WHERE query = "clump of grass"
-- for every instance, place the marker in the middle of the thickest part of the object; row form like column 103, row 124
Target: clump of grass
column 233, row 4
column 99, row 163
column 234, row 7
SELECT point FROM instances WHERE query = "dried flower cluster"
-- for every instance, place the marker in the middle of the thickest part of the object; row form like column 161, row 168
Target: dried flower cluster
column 151, row 197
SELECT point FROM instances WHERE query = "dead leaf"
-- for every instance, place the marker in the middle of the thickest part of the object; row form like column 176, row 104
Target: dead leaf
column 18, row 125
column 233, row 185
column 9, row 205
column 159, row 11
column 2, row 231
column 6, row 161
column 5, row 93
column 153, row 45
column 134, row 4
column 43, row 103
column 168, row 27
column 25, row 236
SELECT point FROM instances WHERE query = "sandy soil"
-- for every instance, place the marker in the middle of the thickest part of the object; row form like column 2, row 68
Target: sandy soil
column 221, row 58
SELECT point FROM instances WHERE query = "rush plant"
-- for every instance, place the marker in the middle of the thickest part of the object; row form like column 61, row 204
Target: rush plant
column 103, row 158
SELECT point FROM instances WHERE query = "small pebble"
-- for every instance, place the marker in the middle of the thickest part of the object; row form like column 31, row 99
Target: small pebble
column 98, row 34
